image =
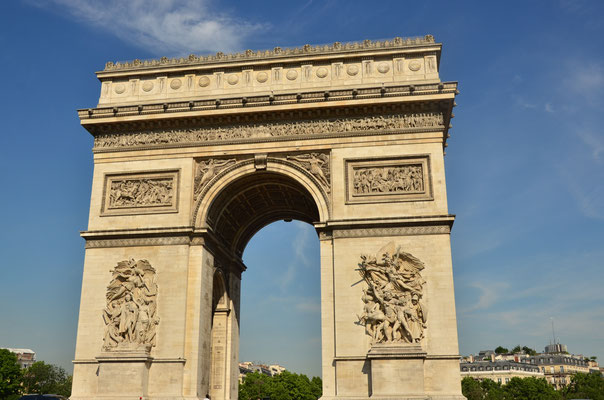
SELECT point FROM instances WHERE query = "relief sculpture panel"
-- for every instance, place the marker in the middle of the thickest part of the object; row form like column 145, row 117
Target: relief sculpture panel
column 268, row 130
column 131, row 313
column 378, row 180
column 140, row 193
column 393, row 310
column 205, row 170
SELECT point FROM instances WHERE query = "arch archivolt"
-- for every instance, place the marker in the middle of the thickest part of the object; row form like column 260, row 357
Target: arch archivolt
column 246, row 169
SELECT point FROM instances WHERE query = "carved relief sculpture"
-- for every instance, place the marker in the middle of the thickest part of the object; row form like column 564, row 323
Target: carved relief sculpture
column 206, row 170
column 315, row 163
column 141, row 192
column 393, row 311
column 394, row 179
column 270, row 130
column 131, row 313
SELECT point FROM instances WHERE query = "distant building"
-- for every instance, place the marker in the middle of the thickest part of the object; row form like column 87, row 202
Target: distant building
column 559, row 368
column 555, row 365
column 499, row 371
column 556, row 348
column 25, row 357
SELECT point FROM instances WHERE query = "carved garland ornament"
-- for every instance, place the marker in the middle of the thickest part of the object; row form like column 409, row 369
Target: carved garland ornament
column 270, row 130
column 131, row 313
column 393, row 311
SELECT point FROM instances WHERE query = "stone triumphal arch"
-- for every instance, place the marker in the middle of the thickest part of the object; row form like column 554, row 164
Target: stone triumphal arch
column 192, row 156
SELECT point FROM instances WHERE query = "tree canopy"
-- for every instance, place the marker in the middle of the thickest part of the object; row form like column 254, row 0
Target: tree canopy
column 284, row 386
column 46, row 378
column 10, row 374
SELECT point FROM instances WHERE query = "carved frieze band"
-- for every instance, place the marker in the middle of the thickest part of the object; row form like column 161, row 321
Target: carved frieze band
column 395, row 122
column 131, row 312
column 393, row 310
column 392, row 231
column 143, row 241
column 140, row 193
column 392, row 179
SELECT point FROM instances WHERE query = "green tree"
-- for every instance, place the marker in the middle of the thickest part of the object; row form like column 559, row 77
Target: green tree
column 255, row 385
column 472, row 389
column 517, row 349
column 501, row 350
column 10, row 374
column 284, row 386
column 46, row 378
column 585, row 386
column 531, row 389
column 529, row 351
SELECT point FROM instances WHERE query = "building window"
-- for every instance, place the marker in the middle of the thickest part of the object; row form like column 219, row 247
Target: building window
column 498, row 380
column 543, row 369
column 561, row 368
column 551, row 369
column 507, row 380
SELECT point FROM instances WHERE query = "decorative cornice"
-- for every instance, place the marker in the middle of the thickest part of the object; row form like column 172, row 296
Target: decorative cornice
column 276, row 53
column 88, row 115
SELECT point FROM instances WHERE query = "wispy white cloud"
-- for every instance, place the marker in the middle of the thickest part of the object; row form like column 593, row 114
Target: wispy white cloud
column 284, row 280
column 489, row 293
column 548, row 107
column 301, row 243
column 163, row 27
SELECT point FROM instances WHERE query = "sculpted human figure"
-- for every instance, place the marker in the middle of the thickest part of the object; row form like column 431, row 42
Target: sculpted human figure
column 131, row 313
column 314, row 162
column 392, row 310
column 207, row 170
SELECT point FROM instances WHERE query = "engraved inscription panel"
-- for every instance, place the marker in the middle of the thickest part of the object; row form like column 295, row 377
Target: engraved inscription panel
column 140, row 193
column 377, row 180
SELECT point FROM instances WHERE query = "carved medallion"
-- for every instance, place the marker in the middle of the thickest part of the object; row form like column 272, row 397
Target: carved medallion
column 120, row 88
column 140, row 193
column 393, row 310
column 176, row 84
column 204, row 81
column 147, row 86
column 131, row 314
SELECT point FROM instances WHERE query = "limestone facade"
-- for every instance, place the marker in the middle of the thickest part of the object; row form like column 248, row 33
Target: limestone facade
column 193, row 156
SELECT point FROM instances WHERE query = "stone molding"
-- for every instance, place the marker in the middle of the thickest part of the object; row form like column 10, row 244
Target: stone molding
column 134, row 242
column 277, row 52
column 392, row 231
column 346, row 94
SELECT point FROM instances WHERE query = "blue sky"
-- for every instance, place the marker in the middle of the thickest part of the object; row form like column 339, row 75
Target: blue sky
column 525, row 164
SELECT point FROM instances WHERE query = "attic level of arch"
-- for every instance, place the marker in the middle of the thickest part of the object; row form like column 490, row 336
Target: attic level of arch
column 321, row 119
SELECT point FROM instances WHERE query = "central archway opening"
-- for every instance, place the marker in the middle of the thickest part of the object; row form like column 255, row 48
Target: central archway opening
column 279, row 313
column 281, row 298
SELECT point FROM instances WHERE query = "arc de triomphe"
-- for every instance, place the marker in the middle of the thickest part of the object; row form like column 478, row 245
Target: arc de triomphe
column 192, row 156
